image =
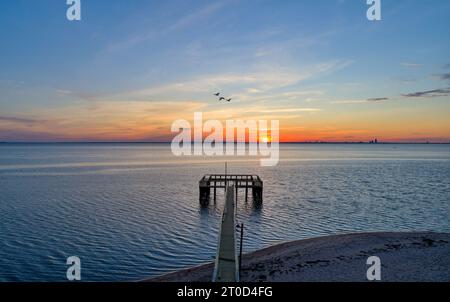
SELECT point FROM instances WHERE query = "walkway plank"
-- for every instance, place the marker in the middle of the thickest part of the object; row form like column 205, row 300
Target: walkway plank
column 226, row 265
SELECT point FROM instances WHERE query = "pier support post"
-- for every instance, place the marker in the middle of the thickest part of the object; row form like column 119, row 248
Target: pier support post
column 204, row 192
column 240, row 249
column 246, row 192
column 257, row 191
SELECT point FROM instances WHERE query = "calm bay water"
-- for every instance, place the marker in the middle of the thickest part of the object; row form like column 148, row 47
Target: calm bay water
column 131, row 211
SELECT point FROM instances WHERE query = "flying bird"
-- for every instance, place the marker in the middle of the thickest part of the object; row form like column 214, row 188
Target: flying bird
column 221, row 98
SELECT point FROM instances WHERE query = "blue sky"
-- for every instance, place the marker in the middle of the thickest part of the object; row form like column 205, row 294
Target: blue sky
column 318, row 64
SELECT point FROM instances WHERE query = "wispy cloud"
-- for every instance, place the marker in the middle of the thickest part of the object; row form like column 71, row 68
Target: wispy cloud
column 443, row 76
column 183, row 22
column 364, row 101
column 345, row 102
column 20, row 120
column 201, row 14
column 429, row 93
column 420, row 94
column 245, row 86
column 289, row 110
column 411, row 65
column 377, row 99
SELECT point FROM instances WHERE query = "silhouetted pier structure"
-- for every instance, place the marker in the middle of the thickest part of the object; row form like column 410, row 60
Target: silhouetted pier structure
column 238, row 181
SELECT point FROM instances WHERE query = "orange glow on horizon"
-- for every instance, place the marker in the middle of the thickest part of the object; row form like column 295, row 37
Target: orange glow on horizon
column 151, row 121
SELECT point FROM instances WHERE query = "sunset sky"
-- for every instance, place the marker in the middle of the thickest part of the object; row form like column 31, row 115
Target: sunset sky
column 128, row 69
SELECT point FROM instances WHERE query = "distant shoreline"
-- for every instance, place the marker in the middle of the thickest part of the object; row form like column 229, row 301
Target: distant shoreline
column 404, row 257
column 284, row 143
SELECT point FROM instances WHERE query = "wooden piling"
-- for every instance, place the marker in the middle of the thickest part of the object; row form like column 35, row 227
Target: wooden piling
column 246, row 193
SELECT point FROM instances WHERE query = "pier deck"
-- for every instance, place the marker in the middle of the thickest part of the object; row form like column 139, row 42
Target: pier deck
column 221, row 181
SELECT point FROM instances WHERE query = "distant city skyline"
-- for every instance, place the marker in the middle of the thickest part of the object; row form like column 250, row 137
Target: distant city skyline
column 129, row 69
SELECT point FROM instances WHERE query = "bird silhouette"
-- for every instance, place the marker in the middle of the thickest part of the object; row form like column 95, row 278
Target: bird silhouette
column 229, row 100
column 222, row 99
column 217, row 94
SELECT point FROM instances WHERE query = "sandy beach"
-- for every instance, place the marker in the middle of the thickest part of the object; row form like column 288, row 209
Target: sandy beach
column 404, row 257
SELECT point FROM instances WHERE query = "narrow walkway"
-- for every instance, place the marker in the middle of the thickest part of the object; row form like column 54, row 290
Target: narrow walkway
column 226, row 265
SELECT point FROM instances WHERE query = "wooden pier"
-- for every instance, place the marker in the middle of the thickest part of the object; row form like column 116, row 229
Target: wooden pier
column 222, row 181
column 226, row 265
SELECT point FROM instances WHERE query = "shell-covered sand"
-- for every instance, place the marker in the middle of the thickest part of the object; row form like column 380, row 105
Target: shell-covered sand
column 404, row 257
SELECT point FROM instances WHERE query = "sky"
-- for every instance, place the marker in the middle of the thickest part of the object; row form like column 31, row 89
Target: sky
column 129, row 69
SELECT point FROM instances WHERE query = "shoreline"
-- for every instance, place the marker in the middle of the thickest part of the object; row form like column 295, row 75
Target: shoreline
column 405, row 257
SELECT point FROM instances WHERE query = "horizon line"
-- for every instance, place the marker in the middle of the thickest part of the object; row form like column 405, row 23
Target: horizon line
column 168, row 142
